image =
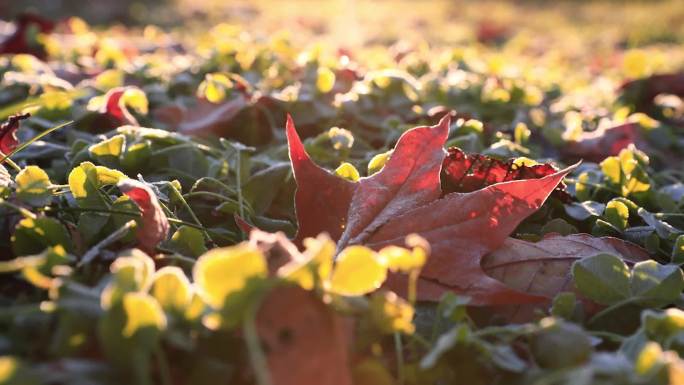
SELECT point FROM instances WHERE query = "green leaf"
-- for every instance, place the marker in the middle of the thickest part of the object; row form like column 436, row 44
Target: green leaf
column 661, row 325
column 559, row 226
column 584, row 210
column 678, row 251
column 32, row 236
column 90, row 225
column 33, row 186
column 188, row 241
column 263, row 186
column 564, row 305
column 603, row 278
column 664, row 229
column 136, row 157
column 660, row 285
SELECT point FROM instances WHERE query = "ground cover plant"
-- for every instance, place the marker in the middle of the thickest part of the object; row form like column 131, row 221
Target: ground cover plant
column 464, row 201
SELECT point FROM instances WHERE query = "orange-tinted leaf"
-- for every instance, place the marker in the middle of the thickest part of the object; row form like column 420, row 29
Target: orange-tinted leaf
column 306, row 343
column 8, row 133
column 155, row 225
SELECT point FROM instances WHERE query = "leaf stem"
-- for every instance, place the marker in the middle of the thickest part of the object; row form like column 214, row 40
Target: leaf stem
column 26, row 213
column 238, row 181
column 163, row 365
column 35, row 138
column 192, row 213
column 398, row 350
column 10, row 162
column 113, row 237
column 256, row 355
column 613, row 307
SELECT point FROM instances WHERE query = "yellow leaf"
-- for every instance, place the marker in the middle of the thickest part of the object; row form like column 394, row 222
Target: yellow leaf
column 9, row 366
column 214, row 87
column 611, row 169
column 172, row 289
column 316, row 266
column 401, row 259
column 358, row 271
column 348, row 171
column 142, row 312
column 391, row 313
column 133, row 271
column 223, row 271
column 649, row 358
column 195, row 309
column 113, row 146
column 325, row 80
column 136, row 99
column 33, row 186
column 617, row 214
column 56, row 100
column 109, row 79
column 88, row 175
column 636, row 64
column 378, row 162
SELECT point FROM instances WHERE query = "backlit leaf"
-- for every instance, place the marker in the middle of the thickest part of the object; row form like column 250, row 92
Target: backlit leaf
column 358, row 270
column 221, row 272
column 33, row 186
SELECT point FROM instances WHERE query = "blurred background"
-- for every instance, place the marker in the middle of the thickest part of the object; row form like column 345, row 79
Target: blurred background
column 354, row 22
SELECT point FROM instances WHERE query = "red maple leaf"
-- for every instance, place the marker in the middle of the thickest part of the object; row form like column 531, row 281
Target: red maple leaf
column 8, row 133
column 463, row 172
column 405, row 197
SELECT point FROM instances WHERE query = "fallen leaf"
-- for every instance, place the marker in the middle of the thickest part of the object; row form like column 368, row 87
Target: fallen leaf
column 544, row 268
column 322, row 199
column 8, row 133
column 642, row 92
column 469, row 172
column 604, row 142
column 155, row 225
column 241, row 118
column 404, row 198
column 19, row 42
column 292, row 324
